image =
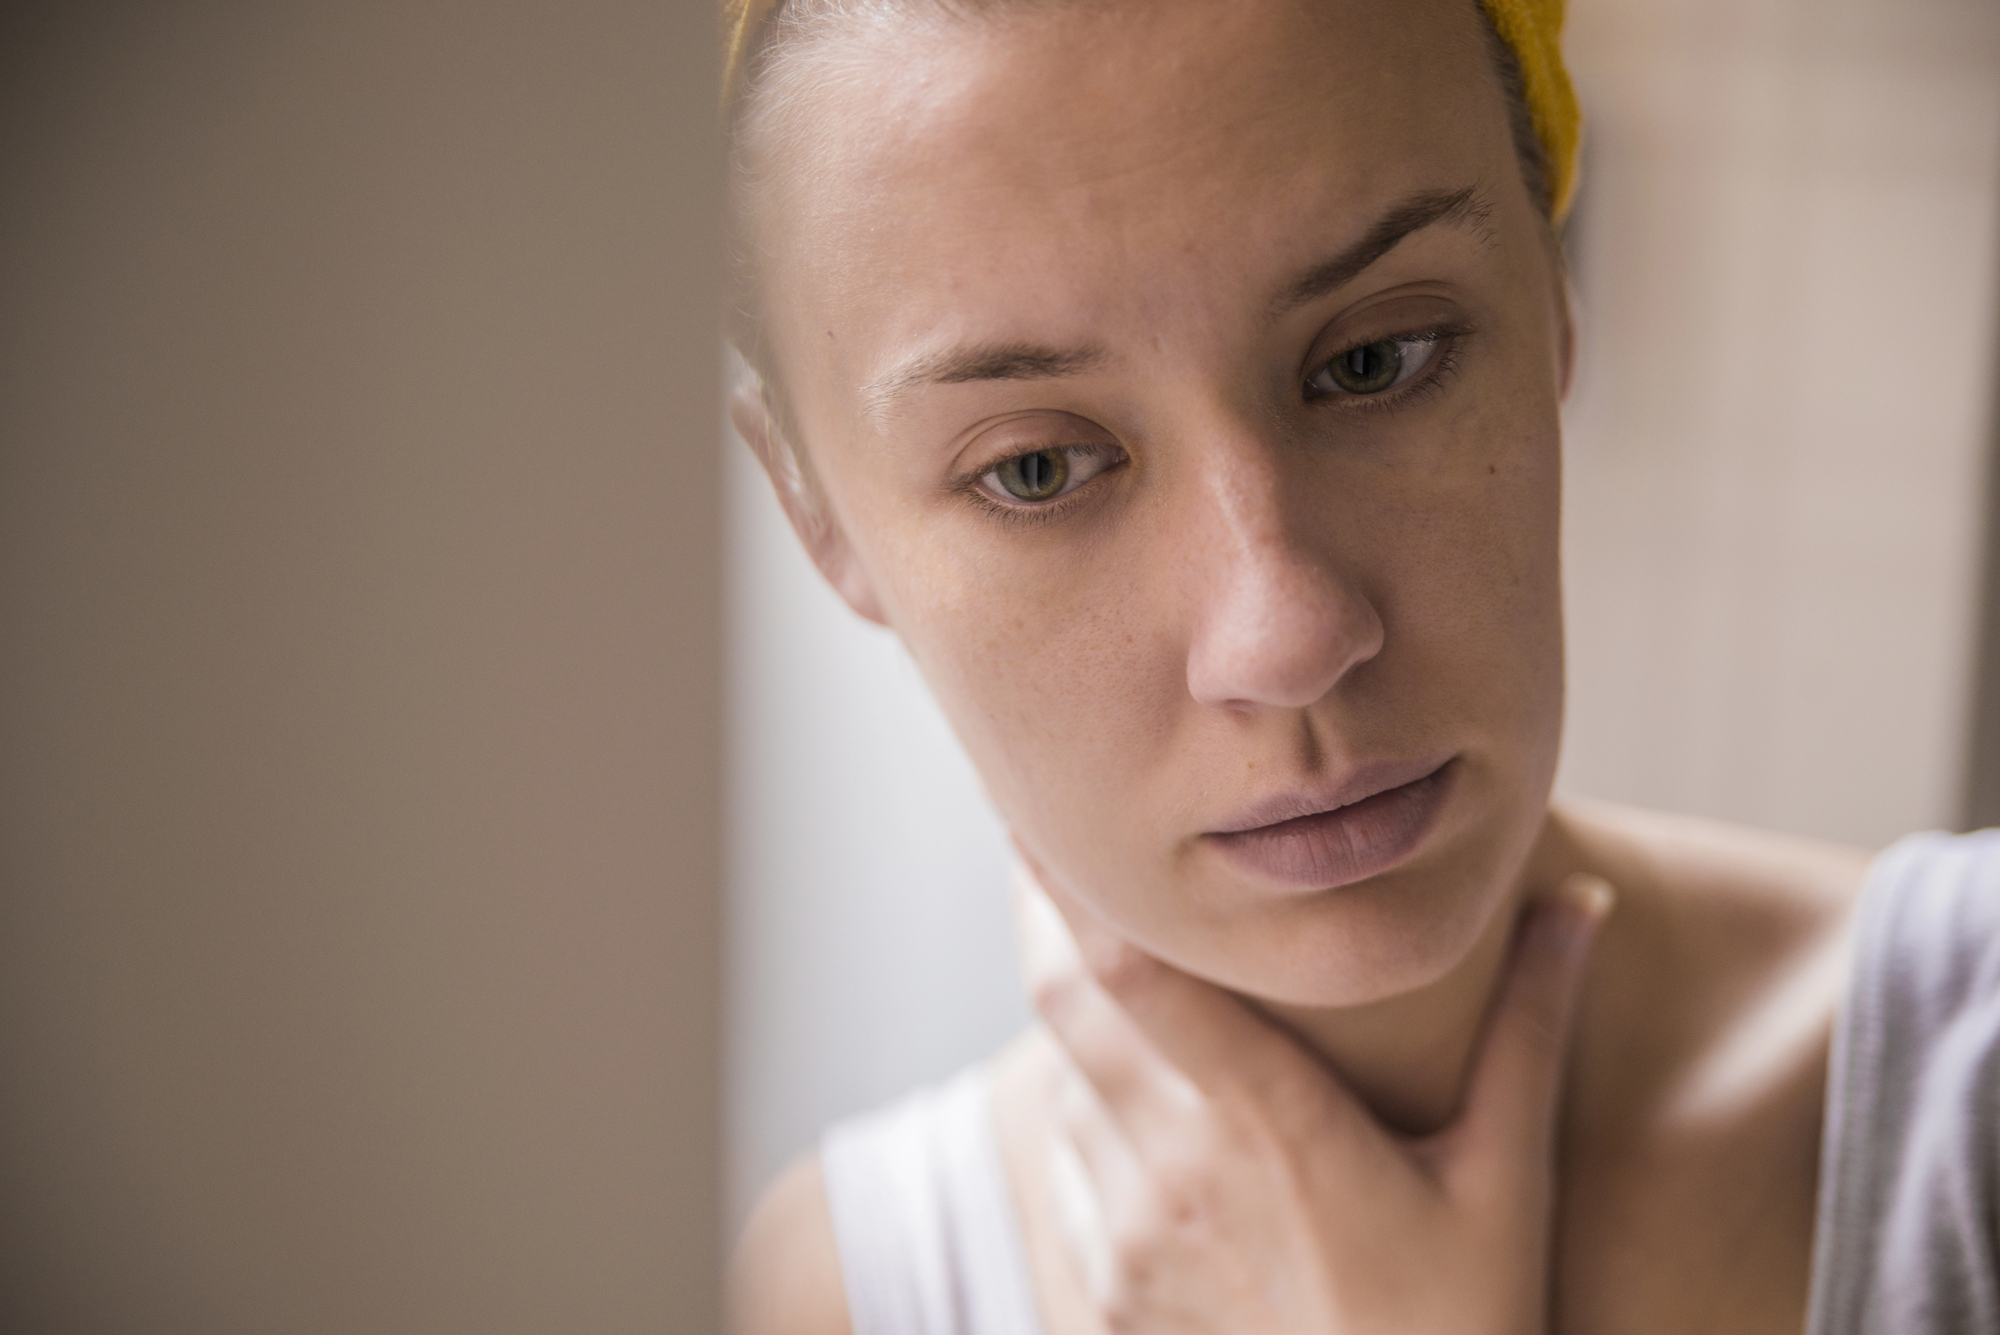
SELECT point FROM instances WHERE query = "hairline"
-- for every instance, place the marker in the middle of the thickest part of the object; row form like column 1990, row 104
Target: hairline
column 744, row 320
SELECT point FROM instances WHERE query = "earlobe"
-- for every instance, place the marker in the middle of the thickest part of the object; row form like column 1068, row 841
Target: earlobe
column 818, row 532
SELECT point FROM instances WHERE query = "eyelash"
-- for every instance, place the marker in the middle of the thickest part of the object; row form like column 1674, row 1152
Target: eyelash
column 1033, row 516
column 1443, row 364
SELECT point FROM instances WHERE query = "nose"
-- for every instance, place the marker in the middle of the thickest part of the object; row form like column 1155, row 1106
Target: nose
column 1276, row 622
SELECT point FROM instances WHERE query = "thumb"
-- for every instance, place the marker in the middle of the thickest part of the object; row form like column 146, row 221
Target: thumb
column 1510, row 1110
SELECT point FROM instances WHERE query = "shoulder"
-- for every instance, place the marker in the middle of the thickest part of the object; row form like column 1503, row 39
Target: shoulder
column 1694, row 865
column 1699, row 1073
column 1722, row 916
column 785, row 1276
column 902, row 1222
column 1723, row 968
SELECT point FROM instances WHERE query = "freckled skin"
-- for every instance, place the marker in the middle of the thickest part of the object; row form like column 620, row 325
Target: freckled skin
column 1268, row 586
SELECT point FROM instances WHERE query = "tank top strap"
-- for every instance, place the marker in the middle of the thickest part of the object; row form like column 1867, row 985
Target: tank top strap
column 925, row 1225
column 1908, row 1236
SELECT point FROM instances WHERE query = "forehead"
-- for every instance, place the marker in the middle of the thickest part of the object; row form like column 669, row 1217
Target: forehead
column 1060, row 164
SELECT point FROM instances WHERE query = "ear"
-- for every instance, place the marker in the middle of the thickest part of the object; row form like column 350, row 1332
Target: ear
column 810, row 518
column 1565, row 337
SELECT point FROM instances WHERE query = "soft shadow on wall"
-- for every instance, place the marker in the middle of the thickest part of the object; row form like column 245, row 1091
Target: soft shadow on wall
column 1982, row 786
column 1778, row 441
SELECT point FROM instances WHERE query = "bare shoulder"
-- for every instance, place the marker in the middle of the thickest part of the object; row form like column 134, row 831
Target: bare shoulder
column 1779, row 885
column 1699, row 1076
column 785, row 1276
column 1728, row 953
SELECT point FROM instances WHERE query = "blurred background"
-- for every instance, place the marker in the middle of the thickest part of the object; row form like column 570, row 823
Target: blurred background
column 1783, row 602
column 359, row 557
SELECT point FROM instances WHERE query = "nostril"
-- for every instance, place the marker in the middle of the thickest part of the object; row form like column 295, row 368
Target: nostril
column 1285, row 640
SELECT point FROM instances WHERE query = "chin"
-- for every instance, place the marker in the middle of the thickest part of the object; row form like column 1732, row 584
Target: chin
column 1434, row 883
column 1355, row 945
column 1368, row 943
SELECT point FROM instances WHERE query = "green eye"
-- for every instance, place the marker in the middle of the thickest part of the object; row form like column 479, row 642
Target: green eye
column 1034, row 480
column 1374, row 367
column 1034, row 477
column 1368, row 369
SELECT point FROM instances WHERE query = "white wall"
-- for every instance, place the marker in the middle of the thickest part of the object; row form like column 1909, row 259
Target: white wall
column 870, row 948
column 1786, row 263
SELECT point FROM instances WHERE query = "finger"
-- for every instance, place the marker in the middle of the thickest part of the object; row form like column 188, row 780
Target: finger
column 1114, row 1170
column 1517, row 1079
column 1095, row 1181
column 1138, row 1086
column 1214, row 1039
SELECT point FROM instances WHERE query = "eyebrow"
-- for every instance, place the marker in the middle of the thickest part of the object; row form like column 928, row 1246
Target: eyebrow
column 1038, row 361
column 1428, row 208
column 986, row 361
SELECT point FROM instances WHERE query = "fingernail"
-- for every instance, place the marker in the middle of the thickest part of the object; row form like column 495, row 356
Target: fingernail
column 1591, row 894
column 1579, row 908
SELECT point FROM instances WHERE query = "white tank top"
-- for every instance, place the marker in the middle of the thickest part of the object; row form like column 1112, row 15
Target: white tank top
column 1908, row 1227
column 924, row 1219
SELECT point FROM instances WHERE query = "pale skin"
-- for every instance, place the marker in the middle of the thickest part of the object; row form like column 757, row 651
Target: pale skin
column 1138, row 245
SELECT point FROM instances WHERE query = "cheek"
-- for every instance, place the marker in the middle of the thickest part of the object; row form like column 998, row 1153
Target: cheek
column 1470, row 578
column 1488, row 605
column 1062, row 668
column 1064, row 688
column 1525, row 587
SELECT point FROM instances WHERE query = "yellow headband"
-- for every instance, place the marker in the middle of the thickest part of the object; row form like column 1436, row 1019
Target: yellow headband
column 1533, row 28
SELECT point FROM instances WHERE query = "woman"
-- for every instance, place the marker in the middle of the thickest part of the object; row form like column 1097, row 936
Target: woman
column 1180, row 380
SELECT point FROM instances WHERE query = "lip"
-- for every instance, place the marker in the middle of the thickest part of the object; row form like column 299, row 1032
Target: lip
column 1324, row 838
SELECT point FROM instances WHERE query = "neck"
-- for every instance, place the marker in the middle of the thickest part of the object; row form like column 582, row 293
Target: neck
column 1408, row 1056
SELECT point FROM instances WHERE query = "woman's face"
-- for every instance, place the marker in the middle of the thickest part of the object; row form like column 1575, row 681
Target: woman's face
column 1180, row 381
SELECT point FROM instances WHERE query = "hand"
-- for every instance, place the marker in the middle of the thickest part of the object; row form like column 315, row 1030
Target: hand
column 1221, row 1179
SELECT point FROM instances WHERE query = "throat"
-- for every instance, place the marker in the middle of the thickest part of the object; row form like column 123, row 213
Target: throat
column 1408, row 1058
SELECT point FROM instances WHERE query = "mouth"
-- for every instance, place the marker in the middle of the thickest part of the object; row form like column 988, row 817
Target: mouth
column 1360, row 829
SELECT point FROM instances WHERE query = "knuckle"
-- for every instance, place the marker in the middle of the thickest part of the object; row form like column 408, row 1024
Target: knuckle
column 1122, row 1314
column 1135, row 1254
column 1184, row 1192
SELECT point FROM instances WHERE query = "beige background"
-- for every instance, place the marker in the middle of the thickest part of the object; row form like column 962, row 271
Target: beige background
column 1778, row 444
column 358, row 577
